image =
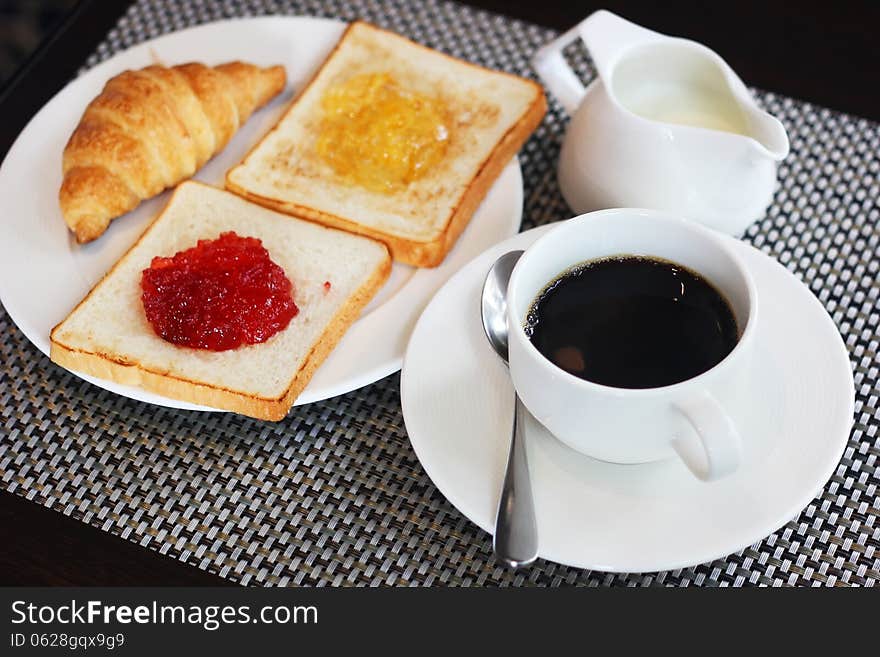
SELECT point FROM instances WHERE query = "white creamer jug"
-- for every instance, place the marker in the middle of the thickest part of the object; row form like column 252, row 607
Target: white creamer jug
column 667, row 124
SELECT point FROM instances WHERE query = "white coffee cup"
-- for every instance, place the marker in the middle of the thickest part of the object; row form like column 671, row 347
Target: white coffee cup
column 624, row 425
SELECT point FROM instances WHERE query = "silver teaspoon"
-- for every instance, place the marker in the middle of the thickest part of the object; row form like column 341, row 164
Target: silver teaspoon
column 516, row 534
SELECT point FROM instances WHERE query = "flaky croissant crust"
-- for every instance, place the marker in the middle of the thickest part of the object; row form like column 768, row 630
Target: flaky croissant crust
column 149, row 129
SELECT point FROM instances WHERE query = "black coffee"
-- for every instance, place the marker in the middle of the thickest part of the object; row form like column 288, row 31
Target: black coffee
column 632, row 322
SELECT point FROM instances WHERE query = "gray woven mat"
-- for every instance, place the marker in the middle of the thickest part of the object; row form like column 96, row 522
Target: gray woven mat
column 334, row 494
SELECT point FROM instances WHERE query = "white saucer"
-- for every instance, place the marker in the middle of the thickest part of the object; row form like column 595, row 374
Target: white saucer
column 44, row 273
column 457, row 404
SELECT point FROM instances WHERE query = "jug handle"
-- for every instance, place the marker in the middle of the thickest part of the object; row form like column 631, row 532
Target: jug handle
column 606, row 36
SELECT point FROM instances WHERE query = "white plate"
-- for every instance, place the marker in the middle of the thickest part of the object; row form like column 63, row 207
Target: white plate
column 44, row 273
column 458, row 401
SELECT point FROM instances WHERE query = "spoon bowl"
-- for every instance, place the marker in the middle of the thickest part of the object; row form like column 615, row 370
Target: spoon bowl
column 494, row 302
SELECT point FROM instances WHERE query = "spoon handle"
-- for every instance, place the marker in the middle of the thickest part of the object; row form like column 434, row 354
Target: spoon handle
column 516, row 533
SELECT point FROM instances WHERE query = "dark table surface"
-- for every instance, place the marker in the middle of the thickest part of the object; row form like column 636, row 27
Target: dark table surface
column 826, row 54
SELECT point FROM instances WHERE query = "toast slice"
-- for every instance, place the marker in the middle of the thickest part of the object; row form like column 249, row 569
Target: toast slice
column 107, row 335
column 486, row 116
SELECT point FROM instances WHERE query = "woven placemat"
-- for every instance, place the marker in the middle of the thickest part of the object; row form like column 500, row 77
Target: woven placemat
column 334, row 495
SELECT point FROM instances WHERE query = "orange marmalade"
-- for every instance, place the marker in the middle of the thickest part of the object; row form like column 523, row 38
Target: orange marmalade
column 379, row 135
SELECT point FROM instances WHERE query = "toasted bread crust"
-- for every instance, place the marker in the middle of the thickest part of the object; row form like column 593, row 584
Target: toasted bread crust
column 412, row 252
column 116, row 368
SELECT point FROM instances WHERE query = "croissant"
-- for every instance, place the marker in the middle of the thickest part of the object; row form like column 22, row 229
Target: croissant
column 150, row 129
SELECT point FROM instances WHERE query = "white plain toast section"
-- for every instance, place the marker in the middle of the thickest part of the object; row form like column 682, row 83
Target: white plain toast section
column 111, row 321
column 486, row 105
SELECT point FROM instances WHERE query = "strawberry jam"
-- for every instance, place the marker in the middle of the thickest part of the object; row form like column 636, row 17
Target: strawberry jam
column 218, row 295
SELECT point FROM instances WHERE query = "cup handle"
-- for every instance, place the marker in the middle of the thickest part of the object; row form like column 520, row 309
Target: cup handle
column 717, row 450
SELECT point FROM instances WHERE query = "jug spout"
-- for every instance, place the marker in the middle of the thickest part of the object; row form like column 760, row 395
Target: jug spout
column 768, row 134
